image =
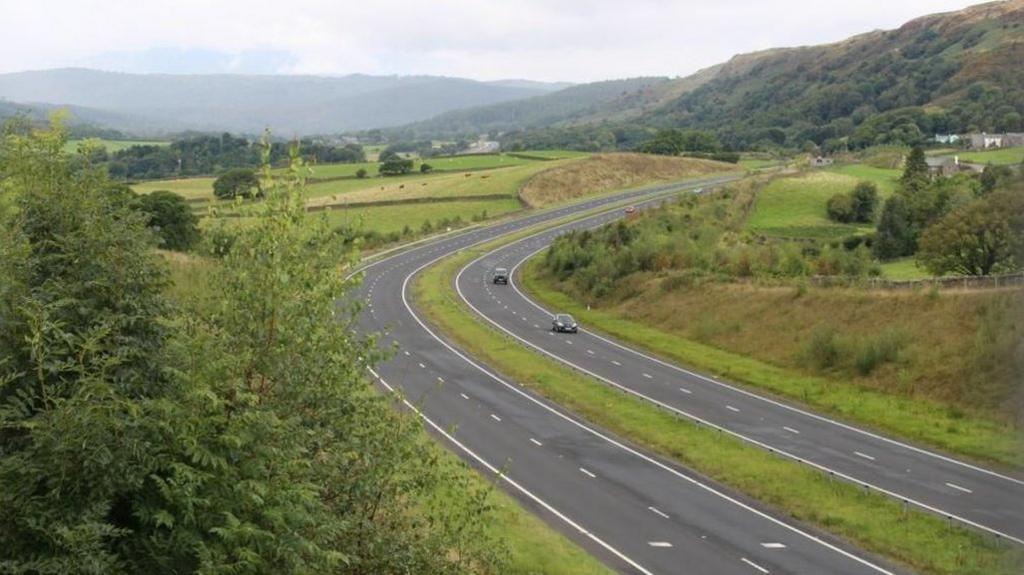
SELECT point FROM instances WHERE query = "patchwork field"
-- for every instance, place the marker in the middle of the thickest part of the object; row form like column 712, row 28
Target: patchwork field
column 795, row 206
column 1003, row 157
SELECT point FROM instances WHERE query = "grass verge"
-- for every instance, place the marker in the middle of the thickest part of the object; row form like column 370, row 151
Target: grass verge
column 870, row 520
column 951, row 430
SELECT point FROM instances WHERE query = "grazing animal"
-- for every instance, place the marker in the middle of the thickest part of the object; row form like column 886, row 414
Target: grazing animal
column 402, row 187
column 485, row 176
column 423, row 184
column 468, row 175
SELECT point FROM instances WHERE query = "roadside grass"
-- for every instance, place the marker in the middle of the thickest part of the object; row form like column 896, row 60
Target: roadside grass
column 393, row 218
column 794, row 207
column 876, row 523
column 533, row 546
column 903, row 269
column 71, row 146
column 953, row 429
column 1000, row 157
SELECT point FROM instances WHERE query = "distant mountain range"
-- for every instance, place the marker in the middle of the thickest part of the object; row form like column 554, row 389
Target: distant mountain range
column 952, row 72
column 289, row 105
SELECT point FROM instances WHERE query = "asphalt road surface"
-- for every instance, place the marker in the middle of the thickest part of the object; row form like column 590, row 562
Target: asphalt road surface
column 636, row 512
column 968, row 493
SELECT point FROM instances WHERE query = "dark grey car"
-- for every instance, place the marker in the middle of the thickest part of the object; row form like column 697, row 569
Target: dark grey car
column 564, row 323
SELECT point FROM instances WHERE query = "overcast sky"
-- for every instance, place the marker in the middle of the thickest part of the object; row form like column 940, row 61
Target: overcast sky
column 570, row 40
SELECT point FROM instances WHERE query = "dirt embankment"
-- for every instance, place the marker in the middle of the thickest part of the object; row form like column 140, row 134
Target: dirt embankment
column 608, row 172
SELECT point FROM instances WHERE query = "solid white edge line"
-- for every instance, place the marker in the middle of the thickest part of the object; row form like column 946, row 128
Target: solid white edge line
column 754, row 565
column 777, row 403
column 551, row 509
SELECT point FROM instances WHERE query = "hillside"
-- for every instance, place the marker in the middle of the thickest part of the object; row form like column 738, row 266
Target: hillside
column 957, row 71
column 287, row 104
column 952, row 72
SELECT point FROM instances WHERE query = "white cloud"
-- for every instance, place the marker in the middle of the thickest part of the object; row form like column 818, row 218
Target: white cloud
column 576, row 40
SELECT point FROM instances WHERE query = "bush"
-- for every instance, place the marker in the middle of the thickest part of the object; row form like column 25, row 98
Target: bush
column 395, row 167
column 426, row 168
column 170, row 216
column 884, row 349
column 823, row 348
column 361, row 173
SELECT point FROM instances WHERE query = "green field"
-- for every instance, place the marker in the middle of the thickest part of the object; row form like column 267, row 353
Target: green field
column 903, row 269
column 756, row 164
column 795, row 206
column 1001, row 157
column 113, row 145
column 446, row 163
column 393, row 218
column 189, row 188
column 550, row 154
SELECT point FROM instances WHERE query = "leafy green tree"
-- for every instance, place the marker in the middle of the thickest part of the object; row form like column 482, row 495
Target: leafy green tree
column 396, row 167
column 236, row 183
column 864, row 200
column 991, row 177
column 977, row 239
column 361, row 173
column 426, row 168
column 840, row 208
column 170, row 216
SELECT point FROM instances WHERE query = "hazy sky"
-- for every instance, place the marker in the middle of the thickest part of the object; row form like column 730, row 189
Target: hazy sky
column 573, row 40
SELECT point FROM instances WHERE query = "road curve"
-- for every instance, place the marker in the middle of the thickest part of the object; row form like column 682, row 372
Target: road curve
column 636, row 512
column 979, row 497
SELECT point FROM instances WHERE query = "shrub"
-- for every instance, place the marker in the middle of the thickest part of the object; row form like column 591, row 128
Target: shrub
column 240, row 182
column 823, row 348
column 425, row 168
column 361, row 173
column 883, row 349
column 840, row 208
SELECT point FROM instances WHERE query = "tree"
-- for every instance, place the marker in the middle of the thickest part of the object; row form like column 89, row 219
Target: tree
column 395, row 167
column 425, row 168
column 977, row 239
column 361, row 173
column 991, row 176
column 896, row 236
column 840, row 208
column 239, row 182
column 171, row 217
column 388, row 154
column 915, row 171
column 864, row 200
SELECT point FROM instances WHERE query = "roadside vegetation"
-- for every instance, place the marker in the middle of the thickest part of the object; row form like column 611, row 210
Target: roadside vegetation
column 874, row 522
column 729, row 283
column 210, row 413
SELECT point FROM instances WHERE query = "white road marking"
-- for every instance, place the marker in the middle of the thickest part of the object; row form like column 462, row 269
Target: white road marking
column 754, row 565
column 536, row 326
column 659, row 543
column 423, row 366
column 958, row 488
column 791, row 430
column 537, row 443
column 568, row 341
column 658, row 512
column 406, row 352
column 684, row 390
column 773, row 545
column 648, row 376
column 731, row 408
column 615, row 362
column 495, row 417
column 440, row 379
column 590, row 351
column 864, row 455
column 464, row 396
column 587, row 472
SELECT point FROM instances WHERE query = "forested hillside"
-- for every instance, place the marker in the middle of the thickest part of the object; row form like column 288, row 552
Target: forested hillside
column 952, row 72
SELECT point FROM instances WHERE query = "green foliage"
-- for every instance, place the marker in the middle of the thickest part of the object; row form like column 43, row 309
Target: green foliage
column 915, row 171
column 235, row 432
column 170, row 216
column 980, row 238
column 896, row 236
column 396, row 166
column 236, row 183
column 426, row 168
column 857, row 206
column 674, row 142
column 361, row 173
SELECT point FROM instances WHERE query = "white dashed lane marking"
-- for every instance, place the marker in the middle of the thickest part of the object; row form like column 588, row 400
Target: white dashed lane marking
column 864, row 455
column 684, row 390
column 773, row 545
column 791, row 430
column 535, row 442
column 659, row 544
column 657, row 511
column 495, row 417
column 615, row 362
column 647, row 375
column 731, row 408
column 464, row 396
column 587, row 473
column 958, row 488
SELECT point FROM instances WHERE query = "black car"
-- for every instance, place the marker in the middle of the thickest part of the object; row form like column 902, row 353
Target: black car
column 564, row 323
column 500, row 276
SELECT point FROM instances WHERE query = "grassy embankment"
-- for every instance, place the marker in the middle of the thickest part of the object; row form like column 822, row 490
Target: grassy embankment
column 606, row 172
column 533, row 546
column 872, row 521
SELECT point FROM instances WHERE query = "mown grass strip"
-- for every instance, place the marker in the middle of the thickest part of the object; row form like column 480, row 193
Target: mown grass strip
column 872, row 521
column 915, row 419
